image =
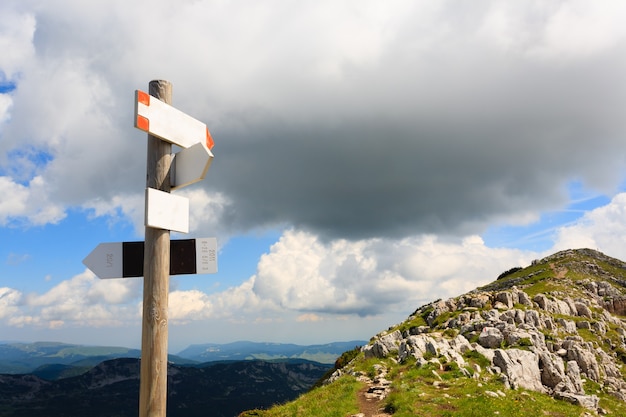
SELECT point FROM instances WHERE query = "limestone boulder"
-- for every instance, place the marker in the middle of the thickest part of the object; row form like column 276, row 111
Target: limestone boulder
column 490, row 338
column 521, row 368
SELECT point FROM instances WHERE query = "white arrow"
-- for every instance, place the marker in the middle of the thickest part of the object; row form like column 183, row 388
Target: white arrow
column 125, row 259
column 106, row 260
column 190, row 165
column 172, row 125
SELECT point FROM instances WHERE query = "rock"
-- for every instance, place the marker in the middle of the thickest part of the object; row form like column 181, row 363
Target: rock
column 583, row 325
column 523, row 298
column 500, row 306
column 568, row 325
column 383, row 345
column 542, row 301
column 552, row 370
column 460, row 344
column 548, row 323
column 431, row 347
column 478, row 300
column 555, row 306
column 505, row 298
column 608, row 365
column 521, row 367
column 532, row 318
column 517, row 336
column 391, row 340
column 586, row 361
column 490, row 337
column 439, row 308
column 589, row 402
column 599, row 327
column 375, row 350
column 583, row 310
column 487, row 353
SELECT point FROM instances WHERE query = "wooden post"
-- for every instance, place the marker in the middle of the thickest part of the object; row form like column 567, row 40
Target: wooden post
column 153, row 382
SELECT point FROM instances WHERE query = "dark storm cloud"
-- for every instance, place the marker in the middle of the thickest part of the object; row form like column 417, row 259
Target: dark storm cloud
column 348, row 119
column 448, row 154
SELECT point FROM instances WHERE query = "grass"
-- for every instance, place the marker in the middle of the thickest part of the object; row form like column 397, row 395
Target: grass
column 338, row 399
column 416, row 322
column 418, row 392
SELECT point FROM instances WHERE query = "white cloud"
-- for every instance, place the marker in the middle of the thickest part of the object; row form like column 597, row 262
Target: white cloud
column 301, row 276
column 309, row 317
column 602, row 229
column 10, row 300
column 189, row 305
column 5, row 105
column 83, row 300
column 208, row 211
column 17, row 258
column 127, row 207
column 582, row 27
column 27, row 202
column 16, row 35
column 302, row 273
column 555, row 31
column 306, row 280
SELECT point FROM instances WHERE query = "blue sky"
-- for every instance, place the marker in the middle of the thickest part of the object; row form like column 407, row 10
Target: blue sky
column 369, row 157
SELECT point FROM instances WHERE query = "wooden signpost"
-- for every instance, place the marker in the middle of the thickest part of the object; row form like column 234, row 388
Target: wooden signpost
column 165, row 126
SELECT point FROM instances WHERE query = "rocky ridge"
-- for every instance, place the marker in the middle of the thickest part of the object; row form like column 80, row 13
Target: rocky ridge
column 553, row 328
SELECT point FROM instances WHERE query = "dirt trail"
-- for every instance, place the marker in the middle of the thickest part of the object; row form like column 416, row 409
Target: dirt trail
column 559, row 272
column 370, row 397
column 369, row 406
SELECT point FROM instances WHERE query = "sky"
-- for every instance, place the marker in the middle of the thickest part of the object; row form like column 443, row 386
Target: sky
column 370, row 157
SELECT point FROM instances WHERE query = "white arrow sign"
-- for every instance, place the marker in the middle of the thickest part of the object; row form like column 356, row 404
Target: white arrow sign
column 190, row 165
column 166, row 211
column 160, row 119
column 106, row 260
column 125, row 259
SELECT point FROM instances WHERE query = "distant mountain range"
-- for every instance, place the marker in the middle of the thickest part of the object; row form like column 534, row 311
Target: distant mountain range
column 59, row 379
column 327, row 353
column 57, row 360
column 216, row 389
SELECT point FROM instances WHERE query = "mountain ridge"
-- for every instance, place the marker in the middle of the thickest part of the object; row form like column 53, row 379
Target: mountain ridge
column 220, row 389
column 55, row 359
column 552, row 330
column 245, row 350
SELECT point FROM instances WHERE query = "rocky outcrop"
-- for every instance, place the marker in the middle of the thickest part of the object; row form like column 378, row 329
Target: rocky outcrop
column 513, row 338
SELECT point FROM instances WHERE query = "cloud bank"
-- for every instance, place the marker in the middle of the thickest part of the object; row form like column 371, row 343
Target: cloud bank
column 304, row 279
column 347, row 120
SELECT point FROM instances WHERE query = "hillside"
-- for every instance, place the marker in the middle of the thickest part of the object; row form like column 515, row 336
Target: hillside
column 112, row 389
column 545, row 340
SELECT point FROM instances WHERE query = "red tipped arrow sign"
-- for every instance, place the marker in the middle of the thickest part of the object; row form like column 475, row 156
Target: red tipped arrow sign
column 160, row 119
column 125, row 259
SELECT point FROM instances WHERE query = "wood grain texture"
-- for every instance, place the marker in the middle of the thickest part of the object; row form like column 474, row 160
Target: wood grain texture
column 154, row 334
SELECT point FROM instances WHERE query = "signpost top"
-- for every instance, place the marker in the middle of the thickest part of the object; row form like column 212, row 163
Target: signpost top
column 168, row 123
